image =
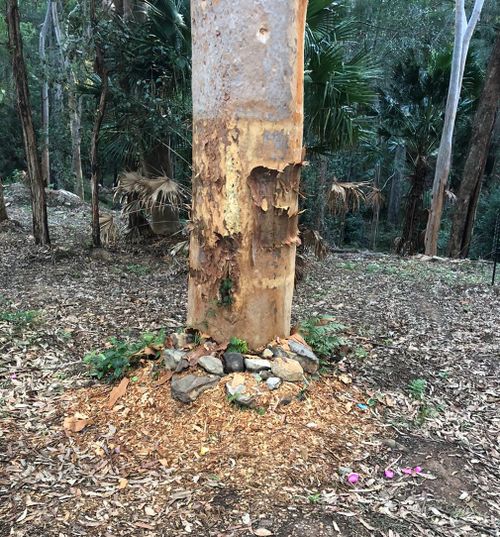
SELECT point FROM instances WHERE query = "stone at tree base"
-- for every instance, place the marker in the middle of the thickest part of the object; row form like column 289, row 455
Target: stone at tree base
column 233, row 362
column 265, row 374
column 187, row 389
column 238, row 391
column 211, row 364
column 279, row 352
column 182, row 365
column 257, row 364
column 267, row 353
column 179, row 340
column 287, row 369
column 171, row 358
column 306, row 357
column 273, row 383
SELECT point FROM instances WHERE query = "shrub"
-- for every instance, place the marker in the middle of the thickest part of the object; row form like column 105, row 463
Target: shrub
column 237, row 345
column 323, row 335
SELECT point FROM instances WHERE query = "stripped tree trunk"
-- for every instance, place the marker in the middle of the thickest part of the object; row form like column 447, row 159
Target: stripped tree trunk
column 470, row 186
column 247, row 154
column 75, row 110
column 3, row 208
column 463, row 34
column 38, row 204
column 45, row 95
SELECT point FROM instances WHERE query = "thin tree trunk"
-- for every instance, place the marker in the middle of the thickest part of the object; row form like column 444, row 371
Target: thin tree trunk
column 38, row 204
column 376, row 208
column 75, row 110
column 470, row 186
column 410, row 241
column 3, row 208
column 321, row 194
column 45, row 95
column 463, row 34
column 393, row 210
column 247, row 154
column 100, row 69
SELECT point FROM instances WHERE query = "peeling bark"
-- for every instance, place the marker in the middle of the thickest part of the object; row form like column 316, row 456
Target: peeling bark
column 247, row 154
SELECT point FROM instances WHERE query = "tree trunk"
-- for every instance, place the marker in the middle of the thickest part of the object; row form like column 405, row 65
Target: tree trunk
column 321, row 193
column 463, row 35
column 3, row 208
column 470, row 186
column 394, row 205
column 38, row 204
column 247, row 154
column 45, row 95
column 100, row 69
column 75, row 110
column 415, row 215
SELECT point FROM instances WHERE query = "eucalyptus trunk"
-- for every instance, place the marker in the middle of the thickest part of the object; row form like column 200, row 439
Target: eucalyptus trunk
column 463, row 34
column 470, row 186
column 42, row 43
column 247, row 155
column 38, row 202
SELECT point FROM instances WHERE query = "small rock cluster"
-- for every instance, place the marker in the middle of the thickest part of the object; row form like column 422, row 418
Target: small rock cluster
column 287, row 361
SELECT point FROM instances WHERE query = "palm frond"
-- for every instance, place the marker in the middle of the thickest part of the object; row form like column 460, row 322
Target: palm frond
column 344, row 197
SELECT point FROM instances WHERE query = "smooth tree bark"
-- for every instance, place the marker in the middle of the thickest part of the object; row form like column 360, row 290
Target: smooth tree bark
column 38, row 202
column 3, row 209
column 42, row 44
column 472, row 177
column 247, row 156
column 463, row 33
column 100, row 69
column 393, row 207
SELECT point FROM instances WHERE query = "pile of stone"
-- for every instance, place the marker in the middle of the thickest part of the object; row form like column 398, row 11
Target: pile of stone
column 249, row 374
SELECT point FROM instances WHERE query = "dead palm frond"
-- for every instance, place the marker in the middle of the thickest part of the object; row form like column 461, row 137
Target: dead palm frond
column 109, row 229
column 138, row 193
column 313, row 241
column 345, row 197
column 375, row 198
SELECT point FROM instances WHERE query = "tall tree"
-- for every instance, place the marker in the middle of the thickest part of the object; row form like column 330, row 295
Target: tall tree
column 38, row 203
column 3, row 208
column 463, row 33
column 247, row 154
column 42, row 44
column 470, row 186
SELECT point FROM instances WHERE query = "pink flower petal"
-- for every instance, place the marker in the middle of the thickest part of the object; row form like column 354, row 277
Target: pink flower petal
column 389, row 474
column 353, row 478
column 407, row 470
column 417, row 469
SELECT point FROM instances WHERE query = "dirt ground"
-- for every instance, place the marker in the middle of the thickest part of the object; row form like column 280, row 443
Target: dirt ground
column 410, row 319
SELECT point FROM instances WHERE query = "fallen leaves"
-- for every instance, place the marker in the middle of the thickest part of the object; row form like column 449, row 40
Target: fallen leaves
column 117, row 392
column 76, row 423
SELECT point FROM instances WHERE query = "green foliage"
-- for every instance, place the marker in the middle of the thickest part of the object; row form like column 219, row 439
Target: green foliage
column 237, row 345
column 120, row 356
column 314, row 498
column 417, row 388
column 323, row 335
column 226, row 292
column 18, row 318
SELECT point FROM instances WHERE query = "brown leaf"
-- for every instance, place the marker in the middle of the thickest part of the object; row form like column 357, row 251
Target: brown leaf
column 262, row 532
column 165, row 377
column 74, row 424
column 117, row 392
column 122, row 483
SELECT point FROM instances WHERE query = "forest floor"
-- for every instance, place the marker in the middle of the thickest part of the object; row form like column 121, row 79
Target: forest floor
column 218, row 470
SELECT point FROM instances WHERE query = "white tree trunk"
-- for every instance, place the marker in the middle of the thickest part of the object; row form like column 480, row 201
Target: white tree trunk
column 463, row 34
column 45, row 95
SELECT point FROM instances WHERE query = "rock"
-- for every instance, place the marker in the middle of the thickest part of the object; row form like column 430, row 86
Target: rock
column 265, row 374
column 238, row 391
column 211, row 364
column 257, row 364
column 306, row 357
column 187, row 389
column 268, row 353
column 233, row 362
column 278, row 351
column 273, row 383
column 171, row 358
column 182, row 365
column 179, row 340
column 287, row 369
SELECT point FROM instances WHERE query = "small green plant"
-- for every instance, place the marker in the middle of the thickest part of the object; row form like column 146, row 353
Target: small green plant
column 361, row 353
column 323, row 336
column 140, row 270
column 18, row 318
column 226, row 292
column 417, row 388
column 120, row 356
column 314, row 498
column 237, row 345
